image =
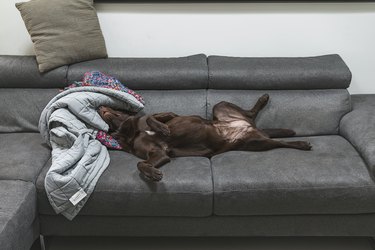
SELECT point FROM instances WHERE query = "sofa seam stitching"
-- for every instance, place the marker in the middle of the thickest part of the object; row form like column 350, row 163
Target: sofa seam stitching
column 350, row 109
column 168, row 193
column 213, row 189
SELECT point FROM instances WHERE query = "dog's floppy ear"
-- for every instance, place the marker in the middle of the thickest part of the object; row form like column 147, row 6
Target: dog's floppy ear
column 128, row 128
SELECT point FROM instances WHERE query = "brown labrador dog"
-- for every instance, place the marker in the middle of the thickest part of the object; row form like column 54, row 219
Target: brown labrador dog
column 158, row 138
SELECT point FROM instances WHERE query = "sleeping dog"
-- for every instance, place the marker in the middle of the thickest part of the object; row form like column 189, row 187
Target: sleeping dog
column 159, row 137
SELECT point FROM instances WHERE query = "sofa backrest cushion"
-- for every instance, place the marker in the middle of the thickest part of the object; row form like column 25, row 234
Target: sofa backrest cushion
column 308, row 112
column 321, row 72
column 136, row 73
column 149, row 73
column 21, row 108
column 22, row 72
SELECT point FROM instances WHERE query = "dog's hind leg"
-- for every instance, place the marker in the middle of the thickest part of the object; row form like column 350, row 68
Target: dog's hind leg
column 225, row 111
column 259, row 105
column 155, row 159
column 278, row 132
column 265, row 144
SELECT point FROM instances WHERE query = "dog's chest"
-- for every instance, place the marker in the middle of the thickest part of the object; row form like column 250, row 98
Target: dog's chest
column 149, row 132
column 233, row 130
column 161, row 143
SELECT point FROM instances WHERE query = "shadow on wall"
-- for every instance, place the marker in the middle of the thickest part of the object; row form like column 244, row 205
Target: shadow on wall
column 236, row 8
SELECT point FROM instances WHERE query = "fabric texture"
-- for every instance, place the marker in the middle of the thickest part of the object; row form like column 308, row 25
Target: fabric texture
column 21, row 108
column 18, row 215
column 98, row 79
column 307, row 112
column 23, row 72
column 185, row 190
column 330, row 179
column 108, row 140
column 320, row 72
column 22, row 155
column 69, row 124
column 63, row 32
column 358, row 127
column 181, row 102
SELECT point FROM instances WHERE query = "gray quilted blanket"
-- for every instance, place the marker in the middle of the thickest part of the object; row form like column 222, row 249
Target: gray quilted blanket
column 69, row 124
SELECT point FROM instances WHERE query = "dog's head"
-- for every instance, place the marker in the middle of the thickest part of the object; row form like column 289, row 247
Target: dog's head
column 114, row 118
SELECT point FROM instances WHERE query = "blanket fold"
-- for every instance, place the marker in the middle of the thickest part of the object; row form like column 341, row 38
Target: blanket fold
column 69, row 124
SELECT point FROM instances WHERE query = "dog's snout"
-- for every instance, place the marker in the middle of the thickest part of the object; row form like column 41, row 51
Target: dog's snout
column 104, row 109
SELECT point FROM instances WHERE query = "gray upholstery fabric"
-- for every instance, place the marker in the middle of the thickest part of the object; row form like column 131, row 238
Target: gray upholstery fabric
column 22, row 155
column 22, row 72
column 186, row 190
column 286, row 225
column 181, row 102
column 313, row 112
column 330, row 179
column 21, row 108
column 149, row 73
column 18, row 215
column 321, row 72
column 358, row 127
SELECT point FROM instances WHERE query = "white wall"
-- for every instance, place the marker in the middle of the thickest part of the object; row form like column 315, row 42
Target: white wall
column 249, row 29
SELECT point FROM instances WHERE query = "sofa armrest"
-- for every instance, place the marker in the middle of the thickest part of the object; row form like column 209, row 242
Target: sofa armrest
column 358, row 127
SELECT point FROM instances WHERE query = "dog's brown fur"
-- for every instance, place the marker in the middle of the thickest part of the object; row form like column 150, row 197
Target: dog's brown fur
column 159, row 137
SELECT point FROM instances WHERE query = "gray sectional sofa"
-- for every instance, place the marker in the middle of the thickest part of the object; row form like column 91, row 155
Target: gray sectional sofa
column 329, row 191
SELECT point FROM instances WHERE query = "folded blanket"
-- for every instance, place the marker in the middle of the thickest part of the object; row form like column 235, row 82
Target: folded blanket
column 69, row 124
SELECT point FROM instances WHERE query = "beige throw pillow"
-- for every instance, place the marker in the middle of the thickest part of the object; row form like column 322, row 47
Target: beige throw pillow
column 63, row 31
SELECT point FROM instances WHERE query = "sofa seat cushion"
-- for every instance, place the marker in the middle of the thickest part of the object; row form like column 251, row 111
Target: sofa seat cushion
column 185, row 190
column 18, row 213
column 22, row 155
column 330, row 179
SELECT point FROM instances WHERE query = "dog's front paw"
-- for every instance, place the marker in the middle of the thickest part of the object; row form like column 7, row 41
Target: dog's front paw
column 165, row 130
column 156, row 174
column 149, row 171
column 162, row 129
